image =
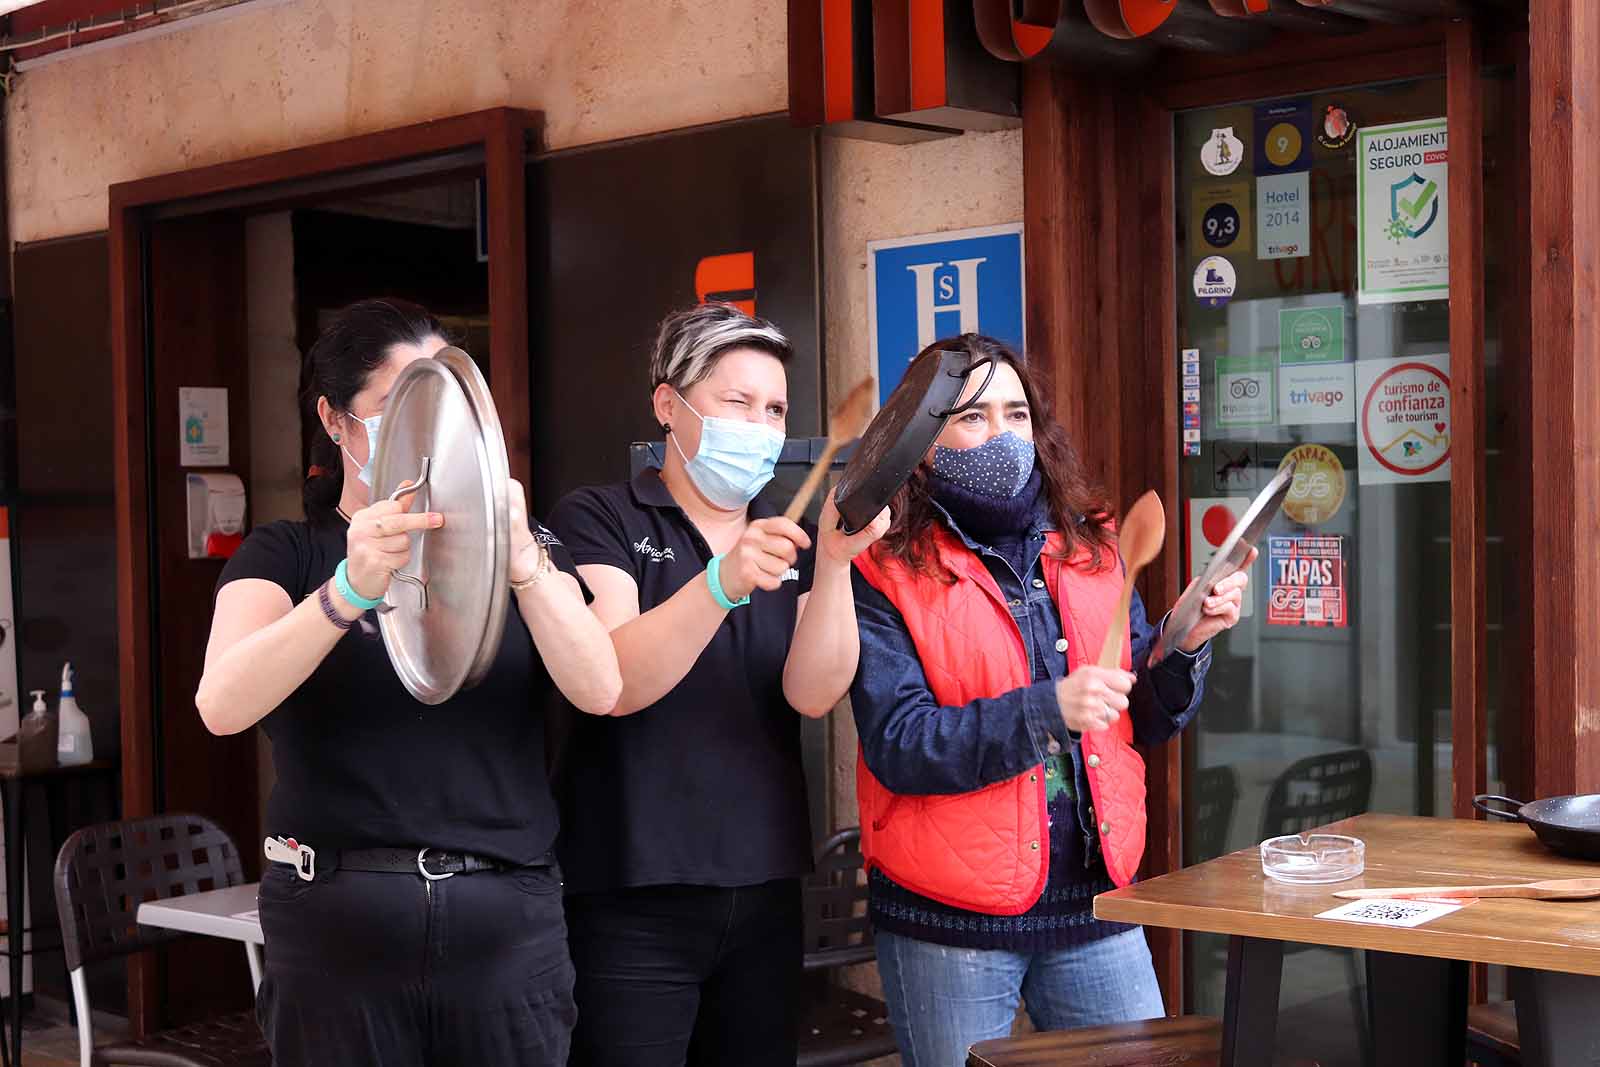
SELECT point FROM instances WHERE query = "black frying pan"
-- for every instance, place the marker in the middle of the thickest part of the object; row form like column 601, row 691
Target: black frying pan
column 1569, row 825
column 902, row 431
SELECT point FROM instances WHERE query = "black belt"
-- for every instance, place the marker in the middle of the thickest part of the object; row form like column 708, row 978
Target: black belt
column 432, row 863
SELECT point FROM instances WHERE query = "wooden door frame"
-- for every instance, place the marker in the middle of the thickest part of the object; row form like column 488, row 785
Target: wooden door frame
column 1096, row 155
column 493, row 142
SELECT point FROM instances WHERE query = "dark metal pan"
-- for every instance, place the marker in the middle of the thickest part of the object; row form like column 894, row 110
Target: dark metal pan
column 1569, row 825
column 902, row 431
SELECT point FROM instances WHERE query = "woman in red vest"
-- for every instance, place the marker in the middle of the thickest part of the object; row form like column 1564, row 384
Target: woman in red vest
column 998, row 785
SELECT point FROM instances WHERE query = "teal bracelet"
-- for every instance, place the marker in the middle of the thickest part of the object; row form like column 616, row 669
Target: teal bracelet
column 714, row 580
column 341, row 582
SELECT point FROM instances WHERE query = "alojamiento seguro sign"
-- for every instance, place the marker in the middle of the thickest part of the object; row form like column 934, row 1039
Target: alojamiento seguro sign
column 1403, row 225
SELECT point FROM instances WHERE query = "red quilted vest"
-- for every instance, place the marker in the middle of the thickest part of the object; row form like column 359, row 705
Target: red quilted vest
column 989, row 850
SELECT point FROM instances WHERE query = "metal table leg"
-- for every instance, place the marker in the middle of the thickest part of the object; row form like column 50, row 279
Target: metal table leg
column 1556, row 1017
column 252, row 952
column 16, row 850
column 1250, row 1011
column 1418, row 1009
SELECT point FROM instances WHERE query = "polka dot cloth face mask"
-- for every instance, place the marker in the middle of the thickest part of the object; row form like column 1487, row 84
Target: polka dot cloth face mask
column 999, row 467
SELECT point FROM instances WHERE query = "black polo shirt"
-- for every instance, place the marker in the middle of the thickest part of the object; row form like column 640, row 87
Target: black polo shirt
column 704, row 787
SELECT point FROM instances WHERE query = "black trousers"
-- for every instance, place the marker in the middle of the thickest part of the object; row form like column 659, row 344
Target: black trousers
column 675, row 975
column 390, row 969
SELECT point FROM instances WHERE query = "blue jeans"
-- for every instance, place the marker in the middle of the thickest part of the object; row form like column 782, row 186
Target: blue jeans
column 943, row 1000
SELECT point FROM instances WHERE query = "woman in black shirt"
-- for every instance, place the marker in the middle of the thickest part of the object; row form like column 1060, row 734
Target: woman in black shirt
column 686, row 828
column 421, row 919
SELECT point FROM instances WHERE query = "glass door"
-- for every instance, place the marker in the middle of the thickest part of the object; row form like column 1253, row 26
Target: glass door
column 1313, row 326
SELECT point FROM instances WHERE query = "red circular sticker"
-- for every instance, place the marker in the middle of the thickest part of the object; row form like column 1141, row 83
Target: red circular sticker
column 1439, row 428
column 1216, row 522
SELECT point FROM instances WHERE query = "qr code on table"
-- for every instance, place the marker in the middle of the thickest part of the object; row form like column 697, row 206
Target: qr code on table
column 1390, row 912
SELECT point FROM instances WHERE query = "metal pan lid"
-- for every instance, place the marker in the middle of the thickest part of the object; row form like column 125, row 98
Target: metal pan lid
column 1230, row 556
column 444, row 615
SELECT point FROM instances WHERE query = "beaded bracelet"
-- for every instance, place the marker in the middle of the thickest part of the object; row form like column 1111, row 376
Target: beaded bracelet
column 325, row 602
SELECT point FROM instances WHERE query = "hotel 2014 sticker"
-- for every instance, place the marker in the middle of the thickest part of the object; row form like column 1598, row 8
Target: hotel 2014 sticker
column 1404, row 419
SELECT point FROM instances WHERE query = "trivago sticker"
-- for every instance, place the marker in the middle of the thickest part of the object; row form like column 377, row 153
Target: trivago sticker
column 1311, row 393
column 1215, row 281
column 1319, row 484
column 1403, row 421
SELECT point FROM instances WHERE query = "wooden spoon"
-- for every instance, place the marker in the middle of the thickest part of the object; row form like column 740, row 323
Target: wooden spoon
column 845, row 424
column 1143, row 530
column 1549, row 889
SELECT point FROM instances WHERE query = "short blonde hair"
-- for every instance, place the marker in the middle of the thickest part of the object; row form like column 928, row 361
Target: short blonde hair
column 690, row 342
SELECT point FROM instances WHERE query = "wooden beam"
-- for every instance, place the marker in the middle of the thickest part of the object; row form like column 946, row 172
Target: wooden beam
column 1565, row 488
column 506, row 190
column 128, row 435
column 1468, row 480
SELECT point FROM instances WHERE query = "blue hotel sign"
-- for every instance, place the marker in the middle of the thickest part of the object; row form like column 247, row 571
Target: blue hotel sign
column 938, row 285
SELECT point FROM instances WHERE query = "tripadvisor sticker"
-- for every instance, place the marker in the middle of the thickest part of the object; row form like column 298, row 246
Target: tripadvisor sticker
column 1319, row 484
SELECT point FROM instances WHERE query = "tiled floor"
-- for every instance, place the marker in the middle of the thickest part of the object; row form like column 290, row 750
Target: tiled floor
column 50, row 1040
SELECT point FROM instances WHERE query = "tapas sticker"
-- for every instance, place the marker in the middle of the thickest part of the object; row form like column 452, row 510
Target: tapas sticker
column 1337, row 129
column 1215, row 281
column 1307, row 581
column 1319, row 484
column 1404, row 420
column 1222, row 152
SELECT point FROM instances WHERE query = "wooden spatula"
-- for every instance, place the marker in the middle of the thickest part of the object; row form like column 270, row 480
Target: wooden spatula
column 1143, row 530
column 844, row 425
column 1549, row 889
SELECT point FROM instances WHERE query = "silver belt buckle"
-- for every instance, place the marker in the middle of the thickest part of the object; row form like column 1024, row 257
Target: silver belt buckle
column 423, row 870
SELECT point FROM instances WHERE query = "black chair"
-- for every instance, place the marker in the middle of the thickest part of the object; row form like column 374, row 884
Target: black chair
column 1312, row 792
column 840, row 1026
column 103, row 873
column 1215, row 792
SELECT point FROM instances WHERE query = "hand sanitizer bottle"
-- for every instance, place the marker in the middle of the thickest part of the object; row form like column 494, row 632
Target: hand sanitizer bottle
column 74, row 743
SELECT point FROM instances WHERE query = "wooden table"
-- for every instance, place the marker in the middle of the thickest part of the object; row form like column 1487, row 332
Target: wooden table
column 1416, row 978
column 226, row 913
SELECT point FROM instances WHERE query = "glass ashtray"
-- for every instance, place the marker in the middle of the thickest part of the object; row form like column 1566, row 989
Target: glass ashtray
column 1313, row 859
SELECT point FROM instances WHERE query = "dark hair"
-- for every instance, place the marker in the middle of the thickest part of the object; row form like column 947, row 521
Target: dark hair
column 356, row 343
column 1078, row 508
column 690, row 342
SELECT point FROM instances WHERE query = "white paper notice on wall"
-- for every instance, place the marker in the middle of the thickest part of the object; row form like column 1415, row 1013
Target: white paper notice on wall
column 203, row 426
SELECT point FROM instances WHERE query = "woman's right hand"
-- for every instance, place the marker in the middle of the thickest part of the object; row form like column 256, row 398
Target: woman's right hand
column 1091, row 698
column 379, row 544
column 764, row 554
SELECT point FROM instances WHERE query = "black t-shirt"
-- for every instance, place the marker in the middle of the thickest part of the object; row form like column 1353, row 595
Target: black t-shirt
column 363, row 764
column 704, row 787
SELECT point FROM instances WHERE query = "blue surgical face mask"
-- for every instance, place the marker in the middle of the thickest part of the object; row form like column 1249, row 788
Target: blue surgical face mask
column 365, row 473
column 999, row 467
column 735, row 461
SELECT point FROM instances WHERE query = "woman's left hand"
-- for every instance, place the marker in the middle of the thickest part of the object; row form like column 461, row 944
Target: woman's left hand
column 836, row 546
column 527, row 554
column 1220, row 611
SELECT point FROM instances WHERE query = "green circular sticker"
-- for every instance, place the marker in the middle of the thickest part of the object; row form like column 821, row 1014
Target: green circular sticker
column 1311, row 333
